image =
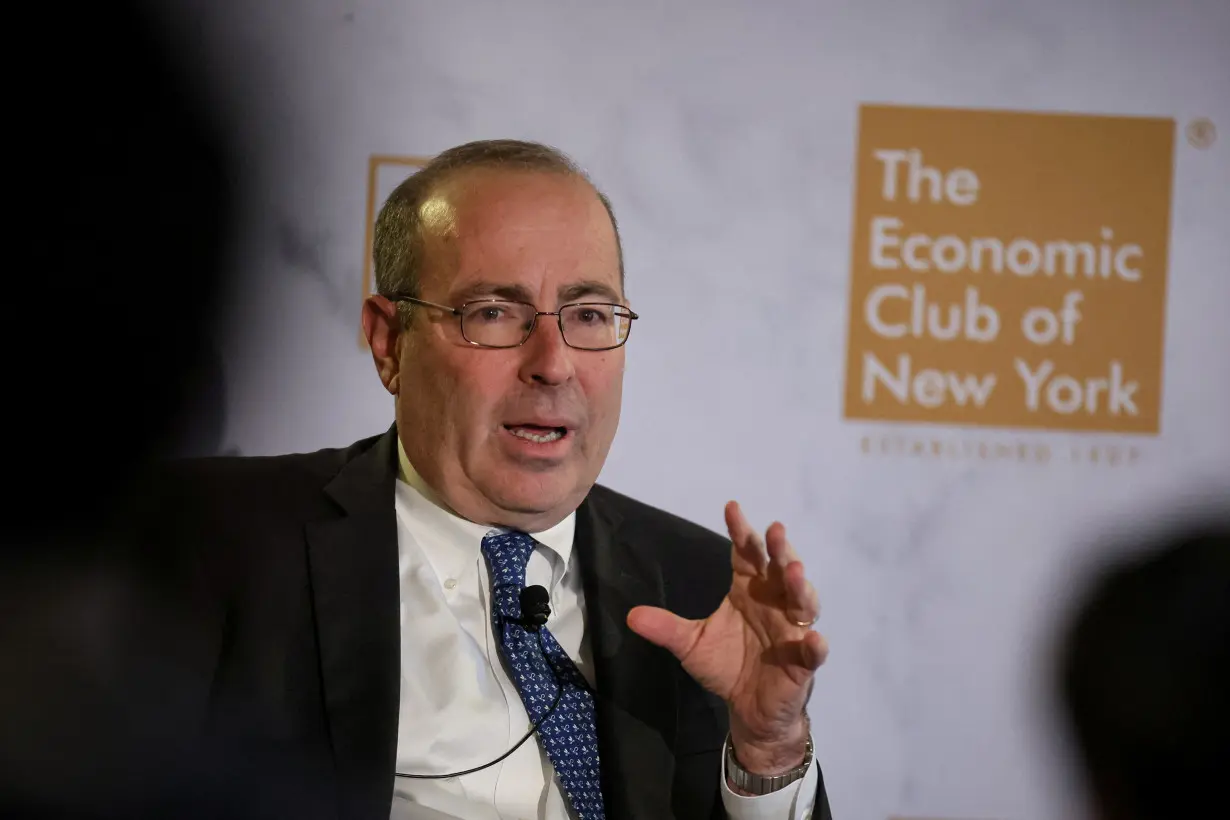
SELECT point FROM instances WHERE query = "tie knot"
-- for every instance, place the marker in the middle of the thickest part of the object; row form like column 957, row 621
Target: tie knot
column 507, row 554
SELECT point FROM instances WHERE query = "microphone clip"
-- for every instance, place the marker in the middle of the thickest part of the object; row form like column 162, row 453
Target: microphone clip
column 535, row 608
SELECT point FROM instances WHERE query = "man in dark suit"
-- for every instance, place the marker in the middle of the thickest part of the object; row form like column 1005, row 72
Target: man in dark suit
column 359, row 633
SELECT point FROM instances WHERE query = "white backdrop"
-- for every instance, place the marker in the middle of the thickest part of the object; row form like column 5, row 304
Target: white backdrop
column 726, row 134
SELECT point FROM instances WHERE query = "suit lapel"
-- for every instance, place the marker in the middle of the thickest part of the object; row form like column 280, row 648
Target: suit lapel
column 354, row 575
column 636, row 681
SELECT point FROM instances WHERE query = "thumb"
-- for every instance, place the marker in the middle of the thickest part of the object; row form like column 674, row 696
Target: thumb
column 666, row 629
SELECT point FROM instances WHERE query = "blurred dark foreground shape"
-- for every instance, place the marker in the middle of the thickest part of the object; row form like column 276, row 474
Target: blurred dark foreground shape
column 123, row 190
column 1144, row 677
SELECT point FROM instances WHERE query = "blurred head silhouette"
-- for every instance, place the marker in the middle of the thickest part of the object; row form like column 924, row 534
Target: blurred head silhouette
column 1144, row 677
column 124, row 191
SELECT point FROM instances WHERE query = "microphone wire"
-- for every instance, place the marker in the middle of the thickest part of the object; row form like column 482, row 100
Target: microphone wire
column 559, row 692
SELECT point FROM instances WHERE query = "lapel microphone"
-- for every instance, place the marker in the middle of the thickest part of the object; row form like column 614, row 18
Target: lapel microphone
column 535, row 610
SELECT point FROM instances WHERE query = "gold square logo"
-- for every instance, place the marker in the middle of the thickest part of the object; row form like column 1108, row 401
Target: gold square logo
column 1009, row 269
column 384, row 173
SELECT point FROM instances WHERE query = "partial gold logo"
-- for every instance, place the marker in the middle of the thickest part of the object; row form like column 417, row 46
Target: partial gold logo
column 384, row 173
column 1009, row 269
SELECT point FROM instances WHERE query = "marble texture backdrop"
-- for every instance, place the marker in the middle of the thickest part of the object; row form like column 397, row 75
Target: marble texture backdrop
column 725, row 134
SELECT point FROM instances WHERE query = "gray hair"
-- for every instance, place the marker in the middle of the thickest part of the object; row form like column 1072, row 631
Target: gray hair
column 398, row 246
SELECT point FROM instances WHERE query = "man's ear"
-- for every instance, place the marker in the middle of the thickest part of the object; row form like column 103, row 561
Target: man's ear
column 382, row 329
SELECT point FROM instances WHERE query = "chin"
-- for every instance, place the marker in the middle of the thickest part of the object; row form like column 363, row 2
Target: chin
column 531, row 503
column 533, row 494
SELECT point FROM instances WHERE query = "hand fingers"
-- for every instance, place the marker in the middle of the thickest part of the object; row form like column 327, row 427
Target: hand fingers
column 664, row 628
column 748, row 548
column 800, row 599
column 802, row 603
column 808, row 653
column 813, row 651
column 774, row 557
column 781, row 553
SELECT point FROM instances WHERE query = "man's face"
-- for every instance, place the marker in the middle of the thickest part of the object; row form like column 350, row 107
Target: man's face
column 479, row 424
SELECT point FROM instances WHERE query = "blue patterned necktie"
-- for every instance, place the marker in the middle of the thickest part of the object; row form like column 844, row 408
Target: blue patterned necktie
column 570, row 735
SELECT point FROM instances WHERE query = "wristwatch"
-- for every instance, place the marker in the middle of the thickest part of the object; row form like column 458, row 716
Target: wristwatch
column 757, row 784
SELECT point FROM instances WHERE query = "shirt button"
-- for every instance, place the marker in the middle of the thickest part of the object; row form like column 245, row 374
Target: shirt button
column 451, row 583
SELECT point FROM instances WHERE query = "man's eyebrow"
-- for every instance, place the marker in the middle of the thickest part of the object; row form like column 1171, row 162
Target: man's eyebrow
column 588, row 288
column 487, row 290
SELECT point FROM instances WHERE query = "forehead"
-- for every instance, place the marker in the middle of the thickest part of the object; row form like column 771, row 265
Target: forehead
column 530, row 229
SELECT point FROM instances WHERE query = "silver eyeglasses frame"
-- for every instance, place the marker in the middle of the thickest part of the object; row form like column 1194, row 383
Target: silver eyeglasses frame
column 621, row 310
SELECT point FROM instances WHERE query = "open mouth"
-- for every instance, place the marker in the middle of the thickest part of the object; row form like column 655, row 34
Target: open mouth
column 537, row 433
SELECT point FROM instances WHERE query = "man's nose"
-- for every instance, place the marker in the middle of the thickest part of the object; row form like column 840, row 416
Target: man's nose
column 548, row 358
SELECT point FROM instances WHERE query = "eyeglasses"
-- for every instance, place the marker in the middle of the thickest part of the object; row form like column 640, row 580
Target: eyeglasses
column 500, row 324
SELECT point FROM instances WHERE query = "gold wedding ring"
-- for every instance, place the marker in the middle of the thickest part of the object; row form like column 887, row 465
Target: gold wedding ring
column 805, row 624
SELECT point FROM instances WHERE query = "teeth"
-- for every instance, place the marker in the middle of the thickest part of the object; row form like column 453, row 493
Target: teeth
column 541, row 438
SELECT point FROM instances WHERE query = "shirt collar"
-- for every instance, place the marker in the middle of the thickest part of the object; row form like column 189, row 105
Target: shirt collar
column 437, row 515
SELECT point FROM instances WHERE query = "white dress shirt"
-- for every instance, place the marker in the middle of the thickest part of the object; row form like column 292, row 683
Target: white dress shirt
column 459, row 709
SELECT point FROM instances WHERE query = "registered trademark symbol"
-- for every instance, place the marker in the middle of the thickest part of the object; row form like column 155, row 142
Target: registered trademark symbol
column 1201, row 132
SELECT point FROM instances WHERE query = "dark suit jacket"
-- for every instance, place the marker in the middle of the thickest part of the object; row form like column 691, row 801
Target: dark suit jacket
column 279, row 650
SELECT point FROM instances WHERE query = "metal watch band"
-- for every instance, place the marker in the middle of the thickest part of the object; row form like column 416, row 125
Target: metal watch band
column 758, row 784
